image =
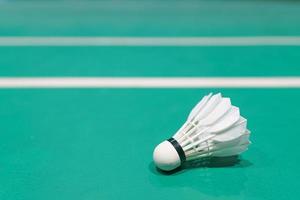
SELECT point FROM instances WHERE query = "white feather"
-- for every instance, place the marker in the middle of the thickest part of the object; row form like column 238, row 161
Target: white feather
column 199, row 106
column 214, row 128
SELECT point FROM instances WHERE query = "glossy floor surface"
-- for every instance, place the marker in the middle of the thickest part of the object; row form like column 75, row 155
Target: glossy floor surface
column 92, row 144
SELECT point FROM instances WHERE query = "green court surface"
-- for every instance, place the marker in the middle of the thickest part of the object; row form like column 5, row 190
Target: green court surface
column 92, row 144
column 150, row 18
column 150, row 61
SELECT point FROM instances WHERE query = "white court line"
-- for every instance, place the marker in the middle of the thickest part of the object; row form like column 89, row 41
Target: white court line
column 152, row 41
column 158, row 82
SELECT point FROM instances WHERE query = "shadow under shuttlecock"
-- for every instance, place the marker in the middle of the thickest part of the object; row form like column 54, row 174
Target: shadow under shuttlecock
column 212, row 162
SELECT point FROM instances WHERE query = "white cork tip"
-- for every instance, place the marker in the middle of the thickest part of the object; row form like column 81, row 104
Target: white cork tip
column 166, row 157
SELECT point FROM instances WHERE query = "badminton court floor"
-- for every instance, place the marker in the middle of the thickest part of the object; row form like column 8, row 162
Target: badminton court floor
column 96, row 143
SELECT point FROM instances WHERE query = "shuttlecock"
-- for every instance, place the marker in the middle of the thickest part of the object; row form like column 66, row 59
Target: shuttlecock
column 214, row 128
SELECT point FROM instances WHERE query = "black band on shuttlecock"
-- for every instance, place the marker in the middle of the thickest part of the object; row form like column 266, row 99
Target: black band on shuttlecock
column 178, row 148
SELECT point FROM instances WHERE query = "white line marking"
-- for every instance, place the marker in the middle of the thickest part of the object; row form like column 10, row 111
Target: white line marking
column 152, row 41
column 158, row 82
